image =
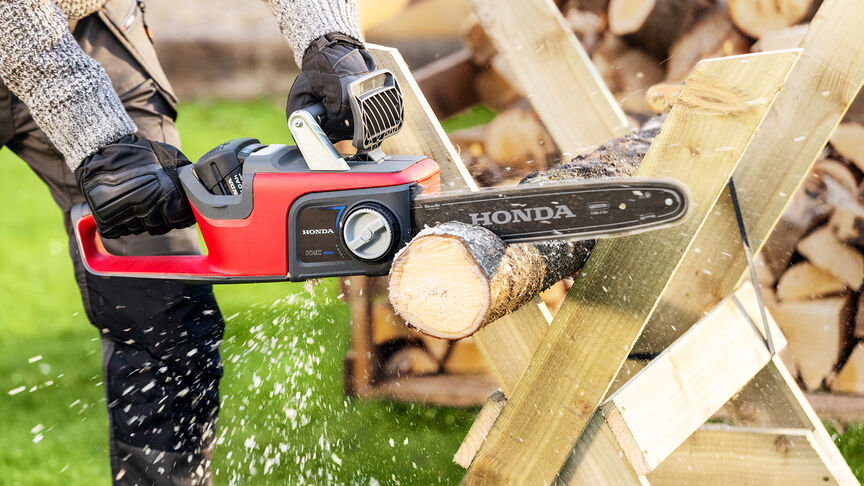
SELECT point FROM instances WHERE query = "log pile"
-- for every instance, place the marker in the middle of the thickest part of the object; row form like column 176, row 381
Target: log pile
column 643, row 49
column 390, row 360
column 634, row 44
column 812, row 269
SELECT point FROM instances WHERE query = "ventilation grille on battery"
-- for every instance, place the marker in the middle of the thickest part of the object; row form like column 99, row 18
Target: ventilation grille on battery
column 382, row 112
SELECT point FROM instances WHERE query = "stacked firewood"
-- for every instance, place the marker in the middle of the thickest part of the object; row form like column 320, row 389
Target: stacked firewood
column 405, row 352
column 644, row 49
column 635, row 45
column 812, row 268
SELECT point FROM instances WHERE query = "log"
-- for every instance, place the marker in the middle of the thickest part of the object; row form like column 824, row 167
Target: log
column 847, row 223
column 386, row 325
column 653, row 24
column 588, row 26
column 436, row 347
column 756, row 17
column 712, row 36
column 554, row 295
column 823, row 249
column 858, row 330
column 448, row 83
column 841, row 183
column 410, row 361
column 808, row 208
column 634, row 71
column 589, row 5
column 817, row 332
column 496, row 85
column 660, row 97
column 465, row 359
column 475, row 39
column 850, row 379
column 807, row 281
column 848, row 141
column 788, row 38
column 519, row 142
column 452, row 279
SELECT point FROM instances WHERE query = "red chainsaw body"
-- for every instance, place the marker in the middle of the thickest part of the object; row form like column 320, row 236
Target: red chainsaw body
column 254, row 248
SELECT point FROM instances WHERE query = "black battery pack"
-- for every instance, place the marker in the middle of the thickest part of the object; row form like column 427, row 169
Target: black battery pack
column 221, row 169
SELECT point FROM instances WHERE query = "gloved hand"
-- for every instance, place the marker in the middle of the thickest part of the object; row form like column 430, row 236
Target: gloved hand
column 330, row 64
column 132, row 186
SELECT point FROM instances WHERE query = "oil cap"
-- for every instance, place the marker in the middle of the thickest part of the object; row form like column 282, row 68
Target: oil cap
column 370, row 232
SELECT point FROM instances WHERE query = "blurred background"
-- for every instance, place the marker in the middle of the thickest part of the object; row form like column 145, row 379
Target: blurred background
column 294, row 410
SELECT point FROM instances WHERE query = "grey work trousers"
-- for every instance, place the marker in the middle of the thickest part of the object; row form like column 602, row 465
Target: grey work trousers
column 160, row 338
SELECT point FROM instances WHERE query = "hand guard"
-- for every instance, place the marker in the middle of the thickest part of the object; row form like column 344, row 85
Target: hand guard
column 330, row 64
column 132, row 186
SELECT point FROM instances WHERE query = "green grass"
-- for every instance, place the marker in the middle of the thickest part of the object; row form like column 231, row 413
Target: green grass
column 284, row 418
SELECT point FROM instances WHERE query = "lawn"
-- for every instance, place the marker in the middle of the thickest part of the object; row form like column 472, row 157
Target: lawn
column 284, row 418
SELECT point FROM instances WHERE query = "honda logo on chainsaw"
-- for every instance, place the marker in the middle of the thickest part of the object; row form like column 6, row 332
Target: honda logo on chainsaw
column 541, row 213
column 318, row 231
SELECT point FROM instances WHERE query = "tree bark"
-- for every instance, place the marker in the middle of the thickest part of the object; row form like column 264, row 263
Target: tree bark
column 452, row 279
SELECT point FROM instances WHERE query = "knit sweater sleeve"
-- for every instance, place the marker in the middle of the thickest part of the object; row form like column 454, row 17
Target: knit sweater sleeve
column 68, row 93
column 302, row 21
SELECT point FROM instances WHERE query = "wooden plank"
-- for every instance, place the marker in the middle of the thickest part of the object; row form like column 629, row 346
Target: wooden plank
column 422, row 133
column 441, row 390
column 819, row 91
column 778, row 376
column 721, row 455
column 719, row 110
column 508, row 344
column 650, row 416
column 481, row 426
column 554, row 70
column 598, row 459
column 363, row 362
column 833, row 406
column 687, row 383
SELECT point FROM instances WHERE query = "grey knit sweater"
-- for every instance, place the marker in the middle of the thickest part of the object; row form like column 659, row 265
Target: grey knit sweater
column 69, row 94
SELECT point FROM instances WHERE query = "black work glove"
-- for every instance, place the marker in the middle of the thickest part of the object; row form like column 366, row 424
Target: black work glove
column 132, row 186
column 330, row 64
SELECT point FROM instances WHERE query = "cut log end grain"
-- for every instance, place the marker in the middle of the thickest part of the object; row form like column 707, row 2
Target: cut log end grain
column 756, row 17
column 519, row 142
column 823, row 249
column 417, row 294
column 653, row 24
column 848, row 141
column 817, row 332
column 713, row 35
column 454, row 278
column 410, row 361
column 465, row 359
column 807, row 281
column 850, row 379
column 847, row 223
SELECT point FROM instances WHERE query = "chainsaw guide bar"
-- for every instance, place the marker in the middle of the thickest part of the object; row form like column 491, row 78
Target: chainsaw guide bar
column 559, row 211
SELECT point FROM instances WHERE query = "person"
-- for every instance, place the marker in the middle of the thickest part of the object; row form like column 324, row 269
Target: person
column 86, row 104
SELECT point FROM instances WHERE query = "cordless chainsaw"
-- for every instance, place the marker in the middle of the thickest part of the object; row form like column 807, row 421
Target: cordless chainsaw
column 280, row 212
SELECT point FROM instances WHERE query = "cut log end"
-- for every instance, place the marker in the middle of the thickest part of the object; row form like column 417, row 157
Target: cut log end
column 628, row 16
column 454, row 310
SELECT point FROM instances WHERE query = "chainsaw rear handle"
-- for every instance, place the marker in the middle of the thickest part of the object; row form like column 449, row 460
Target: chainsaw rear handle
column 98, row 261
